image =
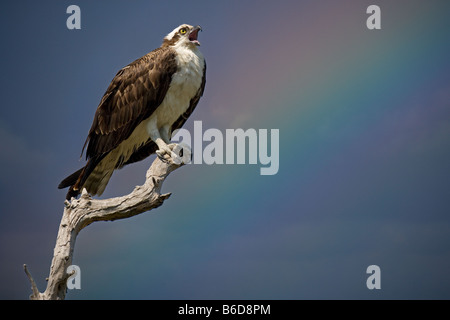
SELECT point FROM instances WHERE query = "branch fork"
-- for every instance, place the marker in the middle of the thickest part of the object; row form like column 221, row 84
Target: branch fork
column 79, row 213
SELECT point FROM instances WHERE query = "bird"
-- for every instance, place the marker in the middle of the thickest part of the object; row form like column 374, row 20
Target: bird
column 144, row 104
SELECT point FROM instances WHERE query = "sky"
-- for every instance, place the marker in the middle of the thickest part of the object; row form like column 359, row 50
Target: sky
column 364, row 159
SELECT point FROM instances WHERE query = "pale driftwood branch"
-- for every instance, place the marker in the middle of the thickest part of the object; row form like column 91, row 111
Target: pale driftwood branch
column 79, row 213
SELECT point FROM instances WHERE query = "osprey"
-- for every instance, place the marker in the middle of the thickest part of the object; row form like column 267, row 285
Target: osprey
column 145, row 102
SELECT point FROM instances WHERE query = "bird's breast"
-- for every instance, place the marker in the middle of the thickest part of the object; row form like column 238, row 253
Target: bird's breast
column 186, row 82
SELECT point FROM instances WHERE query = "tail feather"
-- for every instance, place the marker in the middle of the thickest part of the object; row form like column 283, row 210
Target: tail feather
column 70, row 180
column 72, row 193
column 98, row 179
column 94, row 177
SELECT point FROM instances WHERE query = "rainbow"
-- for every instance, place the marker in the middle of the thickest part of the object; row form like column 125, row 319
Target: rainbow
column 358, row 112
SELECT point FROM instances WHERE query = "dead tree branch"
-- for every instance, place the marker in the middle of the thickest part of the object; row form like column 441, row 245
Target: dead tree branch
column 79, row 213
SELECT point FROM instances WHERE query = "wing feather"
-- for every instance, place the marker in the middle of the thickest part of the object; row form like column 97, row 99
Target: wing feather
column 132, row 96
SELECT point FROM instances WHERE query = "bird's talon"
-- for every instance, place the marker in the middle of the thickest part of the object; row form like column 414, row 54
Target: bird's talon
column 168, row 156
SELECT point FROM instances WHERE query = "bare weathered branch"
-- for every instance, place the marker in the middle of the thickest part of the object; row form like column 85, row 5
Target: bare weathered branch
column 79, row 213
column 36, row 294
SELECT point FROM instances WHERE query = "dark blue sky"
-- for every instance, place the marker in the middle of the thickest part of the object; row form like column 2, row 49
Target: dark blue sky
column 364, row 120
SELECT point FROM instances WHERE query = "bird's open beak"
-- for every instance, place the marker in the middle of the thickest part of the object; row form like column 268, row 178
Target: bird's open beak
column 194, row 35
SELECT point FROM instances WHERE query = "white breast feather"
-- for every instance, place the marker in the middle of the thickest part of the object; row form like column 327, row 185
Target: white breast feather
column 185, row 84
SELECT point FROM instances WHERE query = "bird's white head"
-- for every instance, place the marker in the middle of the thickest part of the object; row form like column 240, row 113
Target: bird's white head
column 184, row 35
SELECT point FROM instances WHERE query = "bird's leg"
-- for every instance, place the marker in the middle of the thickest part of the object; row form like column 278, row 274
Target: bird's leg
column 161, row 138
column 174, row 147
column 164, row 132
column 180, row 149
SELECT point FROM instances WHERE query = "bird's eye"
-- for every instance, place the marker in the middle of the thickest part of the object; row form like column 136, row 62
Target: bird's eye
column 183, row 31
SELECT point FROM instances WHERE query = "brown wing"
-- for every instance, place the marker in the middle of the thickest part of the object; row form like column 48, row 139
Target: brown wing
column 150, row 147
column 133, row 95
